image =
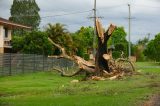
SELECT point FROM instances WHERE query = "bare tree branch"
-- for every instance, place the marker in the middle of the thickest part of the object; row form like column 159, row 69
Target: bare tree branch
column 82, row 64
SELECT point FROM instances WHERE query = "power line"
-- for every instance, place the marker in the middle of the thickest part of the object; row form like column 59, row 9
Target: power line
column 111, row 7
column 57, row 15
column 78, row 12
column 146, row 6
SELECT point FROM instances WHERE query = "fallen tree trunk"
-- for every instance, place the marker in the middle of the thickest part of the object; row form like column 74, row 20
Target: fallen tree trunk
column 82, row 64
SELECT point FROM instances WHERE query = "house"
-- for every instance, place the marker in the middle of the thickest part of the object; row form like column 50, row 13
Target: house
column 6, row 28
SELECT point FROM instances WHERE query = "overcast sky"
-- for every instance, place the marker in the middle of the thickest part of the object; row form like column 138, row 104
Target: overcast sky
column 145, row 14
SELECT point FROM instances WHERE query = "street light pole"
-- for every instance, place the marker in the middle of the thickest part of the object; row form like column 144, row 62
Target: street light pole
column 129, row 31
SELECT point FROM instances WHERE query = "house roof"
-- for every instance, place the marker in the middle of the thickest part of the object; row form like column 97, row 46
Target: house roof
column 11, row 24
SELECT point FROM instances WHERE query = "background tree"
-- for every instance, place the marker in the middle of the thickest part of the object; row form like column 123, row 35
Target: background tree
column 143, row 41
column 25, row 12
column 60, row 35
column 35, row 42
column 139, row 49
column 83, row 41
column 17, row 43
column 118, row 40
column 152, row 50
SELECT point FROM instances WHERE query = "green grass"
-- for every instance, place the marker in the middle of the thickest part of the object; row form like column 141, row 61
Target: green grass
column 143, row 64
column 50, row 89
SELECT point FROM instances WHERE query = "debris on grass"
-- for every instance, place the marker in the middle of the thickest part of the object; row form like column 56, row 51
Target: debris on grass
column 74, row 81
column 153, row 101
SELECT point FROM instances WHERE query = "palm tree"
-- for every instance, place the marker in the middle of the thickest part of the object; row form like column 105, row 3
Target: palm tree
column 56, row 30
column 60, row 35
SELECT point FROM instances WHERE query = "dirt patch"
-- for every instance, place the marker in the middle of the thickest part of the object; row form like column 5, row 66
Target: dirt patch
column 154, row 85
column 154, row 101
column 3, row 94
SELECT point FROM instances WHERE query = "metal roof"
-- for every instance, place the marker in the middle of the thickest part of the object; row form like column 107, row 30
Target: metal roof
column 12, row 25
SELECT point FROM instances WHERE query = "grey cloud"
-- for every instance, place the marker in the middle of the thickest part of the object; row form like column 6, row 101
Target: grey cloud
column 114, row 11
column 5, row 8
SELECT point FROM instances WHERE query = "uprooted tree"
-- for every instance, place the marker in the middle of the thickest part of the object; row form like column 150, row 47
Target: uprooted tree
column 102, row 64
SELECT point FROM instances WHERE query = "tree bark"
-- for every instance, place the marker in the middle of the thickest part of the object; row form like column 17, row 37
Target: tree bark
column 101, row 64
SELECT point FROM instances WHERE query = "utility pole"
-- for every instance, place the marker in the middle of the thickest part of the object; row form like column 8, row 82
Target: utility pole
column 95, row 32
column 129, row 31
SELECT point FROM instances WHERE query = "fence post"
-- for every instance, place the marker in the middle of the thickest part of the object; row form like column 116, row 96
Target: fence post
column 22, row 63
column 10, row 64
column 2, row 64
column 34, row 60
column 43, row 62
column 52, row 62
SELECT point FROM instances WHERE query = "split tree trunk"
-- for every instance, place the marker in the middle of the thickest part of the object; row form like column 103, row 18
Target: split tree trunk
column 101, row 63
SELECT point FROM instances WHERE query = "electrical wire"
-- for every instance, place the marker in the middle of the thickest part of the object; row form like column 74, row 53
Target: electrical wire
column 145, row 6
column 111, row 7
column 72, row 13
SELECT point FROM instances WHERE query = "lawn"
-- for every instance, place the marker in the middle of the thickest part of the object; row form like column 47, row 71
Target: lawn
column 50, row 89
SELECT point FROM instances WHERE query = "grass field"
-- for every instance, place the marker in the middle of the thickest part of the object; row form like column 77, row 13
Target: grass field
column 50, row 89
